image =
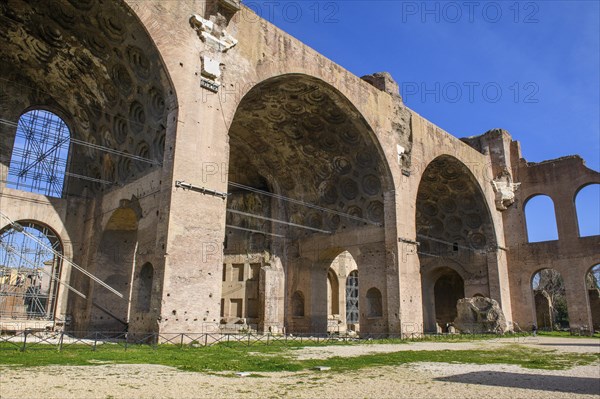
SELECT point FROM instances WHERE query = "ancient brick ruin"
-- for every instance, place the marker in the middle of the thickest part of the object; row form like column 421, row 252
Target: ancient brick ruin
column 220, row 175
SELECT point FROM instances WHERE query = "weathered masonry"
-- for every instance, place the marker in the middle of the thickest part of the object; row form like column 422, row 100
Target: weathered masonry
column 172, row 166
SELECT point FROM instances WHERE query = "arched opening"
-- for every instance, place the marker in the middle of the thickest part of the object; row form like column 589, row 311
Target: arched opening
column 144, row 293
column 114, row 264
column 448, row 289
column 456, row 237
column 40, row 154
column 540, row 219
column 95, row 65
column 341, row 268
column 587, row 204
column 298, row 304
column 352, row 302
column 592, row 284
column 303, row 164
column 374, row 303
column 550, row 300
column 333, row 294
column 29, row 272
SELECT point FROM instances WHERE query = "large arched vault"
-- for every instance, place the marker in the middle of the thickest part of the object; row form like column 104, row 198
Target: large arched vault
column 455, row 232
column 297, row 136
column 451, row 210
column 305, row 169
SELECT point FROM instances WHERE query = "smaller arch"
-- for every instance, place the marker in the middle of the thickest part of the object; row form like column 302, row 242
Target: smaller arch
column 298, row 304
column 352, row 303
column 452, row 215
column 144, row 294
column 592, row 285
column 374, row 303
column 42, row 227
column 30, row 271
column 333, row 292
column 540, row 218
column 40, row 154
column 593, row 277
column 341, row 264
column 448, row 288
column 587, row 206
column 549, row 300
column 114, row 262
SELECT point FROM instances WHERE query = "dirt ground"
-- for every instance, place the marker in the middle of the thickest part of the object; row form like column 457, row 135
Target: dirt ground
column 418, row 380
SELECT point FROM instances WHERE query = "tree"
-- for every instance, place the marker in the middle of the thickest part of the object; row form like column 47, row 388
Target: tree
column 593, row 278
column 550, row 283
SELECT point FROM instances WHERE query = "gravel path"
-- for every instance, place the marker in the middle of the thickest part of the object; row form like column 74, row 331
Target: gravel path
column 577, row 345
column 419, row 380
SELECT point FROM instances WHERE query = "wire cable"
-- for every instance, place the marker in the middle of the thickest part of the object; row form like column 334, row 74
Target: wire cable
column 302, row 203
column 82, row 143
column 301, row 226
column 21, row 230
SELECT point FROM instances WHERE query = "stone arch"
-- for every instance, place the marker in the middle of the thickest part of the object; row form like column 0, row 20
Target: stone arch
column 592, row 285
column 30, row 271
column 587, row 206
column 448, row 289
column 352, row 300
column 333, row 293
column 454, row 228
column 144, row 289
column 451, row 207
column 549, row 300
column 307, row 146
column 114, row 263
column 98, row 64
column 40, row 153
column 374, row 303
column 341, row 263
column 540, row 218
column 303, row 163
column 442, row 288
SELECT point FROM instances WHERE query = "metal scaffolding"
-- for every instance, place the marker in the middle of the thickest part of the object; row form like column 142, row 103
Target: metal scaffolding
column 29, row 272
column 40, row 154
column 352, row 315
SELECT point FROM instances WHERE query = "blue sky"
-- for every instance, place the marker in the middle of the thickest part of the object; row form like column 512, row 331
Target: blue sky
column 544, row 56
column 530, row 67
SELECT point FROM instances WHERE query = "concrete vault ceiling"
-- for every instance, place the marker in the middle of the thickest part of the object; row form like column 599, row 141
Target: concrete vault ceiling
column 93, row 63
column 451, row 208
column 299, row 137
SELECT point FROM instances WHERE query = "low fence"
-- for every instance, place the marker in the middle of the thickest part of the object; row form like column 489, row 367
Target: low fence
column 63, row 340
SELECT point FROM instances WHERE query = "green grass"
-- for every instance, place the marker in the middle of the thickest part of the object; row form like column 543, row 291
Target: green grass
column 263, row 358
column 517, row 355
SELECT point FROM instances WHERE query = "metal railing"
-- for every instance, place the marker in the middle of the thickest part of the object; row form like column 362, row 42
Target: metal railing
column 63, row 340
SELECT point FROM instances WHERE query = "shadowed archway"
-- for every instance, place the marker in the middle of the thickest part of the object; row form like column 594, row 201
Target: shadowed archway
column 454, row 229
column 303, row 164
